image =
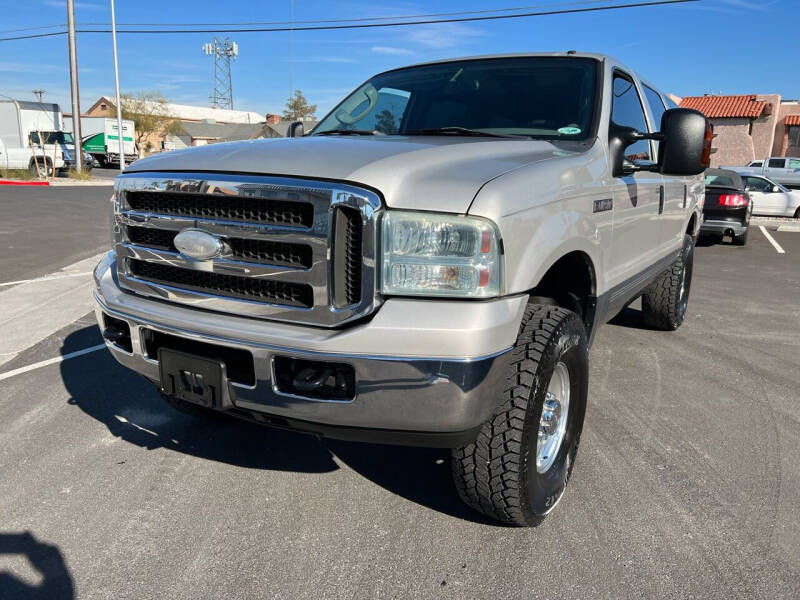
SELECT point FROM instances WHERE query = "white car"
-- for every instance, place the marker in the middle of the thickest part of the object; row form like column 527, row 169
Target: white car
column 770, row 197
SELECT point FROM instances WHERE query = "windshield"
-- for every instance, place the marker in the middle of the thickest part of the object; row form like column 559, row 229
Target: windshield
column 52, row 137
column 542, row 97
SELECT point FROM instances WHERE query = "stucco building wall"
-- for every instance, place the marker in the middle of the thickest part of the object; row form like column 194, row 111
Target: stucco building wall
column 781, row 145
column 733, row 143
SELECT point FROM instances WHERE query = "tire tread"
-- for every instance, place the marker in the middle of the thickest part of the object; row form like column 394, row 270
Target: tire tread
column 489, row 473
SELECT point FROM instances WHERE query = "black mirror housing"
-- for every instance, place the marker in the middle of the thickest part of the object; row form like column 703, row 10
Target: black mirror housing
column 296, row 129
column 685, row 142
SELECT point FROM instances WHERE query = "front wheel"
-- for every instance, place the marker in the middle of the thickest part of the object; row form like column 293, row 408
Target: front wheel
column 517, row 469
column 664, row 302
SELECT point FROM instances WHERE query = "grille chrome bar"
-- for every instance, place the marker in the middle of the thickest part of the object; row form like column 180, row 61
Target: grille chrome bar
column 266, row 269
column 242, row 249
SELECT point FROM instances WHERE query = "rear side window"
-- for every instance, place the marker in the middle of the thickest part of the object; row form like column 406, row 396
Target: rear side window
column 627, row 111
column 776, row 163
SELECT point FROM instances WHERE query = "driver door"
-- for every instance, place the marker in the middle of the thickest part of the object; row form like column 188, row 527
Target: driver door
column 638, row 197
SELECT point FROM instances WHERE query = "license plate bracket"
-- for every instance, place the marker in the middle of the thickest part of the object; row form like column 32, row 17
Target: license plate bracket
column 192, row 378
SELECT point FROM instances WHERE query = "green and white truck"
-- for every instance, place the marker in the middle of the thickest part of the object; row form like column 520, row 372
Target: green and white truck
column 101, row 140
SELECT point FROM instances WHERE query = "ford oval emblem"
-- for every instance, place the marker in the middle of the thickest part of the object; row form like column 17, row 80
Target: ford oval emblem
column 197, row 244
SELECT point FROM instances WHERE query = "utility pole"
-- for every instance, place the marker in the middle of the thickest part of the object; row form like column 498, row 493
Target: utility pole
column 73, row 81
column 116, row 85
column 38, row 94
column 222, row 51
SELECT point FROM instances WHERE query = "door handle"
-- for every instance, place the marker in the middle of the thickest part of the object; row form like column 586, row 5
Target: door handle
column 660, row 199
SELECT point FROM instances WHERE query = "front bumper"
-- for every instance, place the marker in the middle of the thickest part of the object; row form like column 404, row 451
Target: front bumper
column 427, row 372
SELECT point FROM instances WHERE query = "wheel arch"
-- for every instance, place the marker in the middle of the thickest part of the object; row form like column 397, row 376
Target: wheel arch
column 570, row 280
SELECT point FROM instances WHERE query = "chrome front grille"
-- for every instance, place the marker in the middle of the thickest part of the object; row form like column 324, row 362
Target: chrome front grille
column 292, row 250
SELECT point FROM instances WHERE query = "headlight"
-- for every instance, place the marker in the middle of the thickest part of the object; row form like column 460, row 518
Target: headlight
column 440, row 255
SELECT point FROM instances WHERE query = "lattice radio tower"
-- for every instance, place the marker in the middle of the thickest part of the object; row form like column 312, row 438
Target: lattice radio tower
column 223, row 52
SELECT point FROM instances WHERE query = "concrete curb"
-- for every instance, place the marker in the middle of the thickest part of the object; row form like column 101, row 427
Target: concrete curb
column 19, row 182
column 74, row 182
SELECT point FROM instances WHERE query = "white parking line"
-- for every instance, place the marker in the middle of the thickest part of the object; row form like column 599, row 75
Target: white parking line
column 51, row 361
column 771, row 240
column 46, row 278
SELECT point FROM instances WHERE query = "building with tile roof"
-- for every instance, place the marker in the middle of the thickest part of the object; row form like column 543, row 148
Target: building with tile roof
column 749, row 126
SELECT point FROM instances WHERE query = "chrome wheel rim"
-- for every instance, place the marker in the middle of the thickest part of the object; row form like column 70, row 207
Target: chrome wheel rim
column 553, row 422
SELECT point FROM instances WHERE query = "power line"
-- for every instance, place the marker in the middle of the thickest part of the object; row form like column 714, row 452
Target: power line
column 31, row 36
column 362, row 19
column 369, row 25
column 317, row 21
column 38, row 27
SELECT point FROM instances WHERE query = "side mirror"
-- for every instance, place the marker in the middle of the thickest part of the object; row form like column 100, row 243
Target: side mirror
column 685, row 147
column 684, row 144
column 775, row 188
column 296, row 129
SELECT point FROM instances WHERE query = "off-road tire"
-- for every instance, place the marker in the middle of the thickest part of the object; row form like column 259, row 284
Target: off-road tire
column 665, row 300
column 741, row 240
column 496, row 474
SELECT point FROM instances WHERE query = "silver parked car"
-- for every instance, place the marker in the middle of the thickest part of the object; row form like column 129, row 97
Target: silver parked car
column 770, row 197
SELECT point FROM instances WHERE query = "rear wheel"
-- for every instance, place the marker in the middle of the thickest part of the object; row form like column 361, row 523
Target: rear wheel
column 517, row 469
column 741, row 240
column 40, row 169
column 664, row 302
column 797, row 213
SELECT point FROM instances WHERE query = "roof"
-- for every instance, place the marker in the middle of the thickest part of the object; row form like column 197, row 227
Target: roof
column 717, row 178
column 200, row 113
column 31, row 105
column 726, row 107
column 792, row 120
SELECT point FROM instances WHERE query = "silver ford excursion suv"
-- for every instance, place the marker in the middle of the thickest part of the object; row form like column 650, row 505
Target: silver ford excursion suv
column 428, row 266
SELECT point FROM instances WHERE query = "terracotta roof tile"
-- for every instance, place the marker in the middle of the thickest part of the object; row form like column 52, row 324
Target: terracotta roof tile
column 725, row 106
column 792, row 120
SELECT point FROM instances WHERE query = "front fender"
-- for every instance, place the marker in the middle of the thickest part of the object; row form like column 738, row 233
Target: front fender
column 546, row 211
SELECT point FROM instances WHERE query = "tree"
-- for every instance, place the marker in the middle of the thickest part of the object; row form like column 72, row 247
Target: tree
column 384, row 122
column 149, row 113
column 298, row 108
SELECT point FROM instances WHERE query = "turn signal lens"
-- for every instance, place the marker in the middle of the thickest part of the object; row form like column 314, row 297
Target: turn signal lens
column 439, row 255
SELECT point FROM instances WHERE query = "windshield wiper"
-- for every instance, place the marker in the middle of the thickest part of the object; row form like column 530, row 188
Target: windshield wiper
column 461, row 131
column 350, row 132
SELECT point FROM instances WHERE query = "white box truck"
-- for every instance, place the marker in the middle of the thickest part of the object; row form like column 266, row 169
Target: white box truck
column 101, row 139
column 32, row 137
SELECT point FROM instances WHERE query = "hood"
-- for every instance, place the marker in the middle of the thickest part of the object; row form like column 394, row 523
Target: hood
column 435, row 173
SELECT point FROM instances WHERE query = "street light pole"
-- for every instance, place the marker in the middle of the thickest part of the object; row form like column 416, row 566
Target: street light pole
column 73, row 80
column 116, row 84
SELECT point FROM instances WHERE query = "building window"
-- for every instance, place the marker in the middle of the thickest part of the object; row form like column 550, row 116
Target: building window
column 794, row 136
column 103, row 107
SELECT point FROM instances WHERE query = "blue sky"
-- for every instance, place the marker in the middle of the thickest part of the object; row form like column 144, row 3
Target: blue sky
column 718, row 46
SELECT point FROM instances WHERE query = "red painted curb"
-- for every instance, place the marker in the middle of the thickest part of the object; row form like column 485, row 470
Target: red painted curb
column 11, row 182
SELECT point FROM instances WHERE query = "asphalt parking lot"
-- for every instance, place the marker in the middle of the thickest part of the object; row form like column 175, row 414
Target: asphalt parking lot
column 686, row 484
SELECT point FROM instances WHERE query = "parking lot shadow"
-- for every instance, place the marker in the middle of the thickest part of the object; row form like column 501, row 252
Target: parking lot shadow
column 132, row 410
column 46, row 559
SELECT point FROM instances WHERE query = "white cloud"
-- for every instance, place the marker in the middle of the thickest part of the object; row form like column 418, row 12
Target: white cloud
column 443, row 35
column 13, row 67
column 391, row 50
